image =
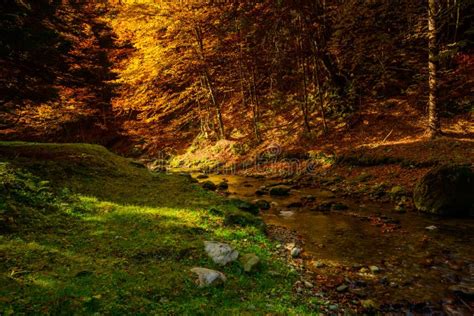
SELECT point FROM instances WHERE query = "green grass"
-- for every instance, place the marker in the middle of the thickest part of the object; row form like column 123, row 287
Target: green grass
column 85, row 231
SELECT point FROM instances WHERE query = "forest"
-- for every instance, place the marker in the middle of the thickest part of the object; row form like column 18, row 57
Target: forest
column 267, row 157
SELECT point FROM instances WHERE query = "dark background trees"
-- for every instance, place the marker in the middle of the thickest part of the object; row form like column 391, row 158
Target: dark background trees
column 245, row 71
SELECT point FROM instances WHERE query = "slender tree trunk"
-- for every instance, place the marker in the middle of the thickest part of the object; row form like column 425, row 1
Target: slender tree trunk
column 304, row 104
column 433, row 119
column 256, row 113
column 209, row 84
column 320, row 93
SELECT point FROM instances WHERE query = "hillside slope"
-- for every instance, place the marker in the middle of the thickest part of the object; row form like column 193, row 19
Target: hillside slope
column 84, row 231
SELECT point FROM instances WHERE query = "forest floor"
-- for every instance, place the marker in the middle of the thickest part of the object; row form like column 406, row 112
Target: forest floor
column 370, row 150
column 86, row 231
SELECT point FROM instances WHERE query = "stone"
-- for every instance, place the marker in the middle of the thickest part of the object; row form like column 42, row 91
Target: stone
column 446, row 190
column 249, row 261
column 220, row 253
column 308, row 284
column 359, row 292
column 368, row 304
column 223, row 185
column 295, row 252
column 338, row 207
column 330, row 206
column 280, row 190
column 263, row 204
column 286, row 213
column 342, row 288
column 324, row 194
column 374, row 269
column 319, row 264
column 400, row 208
column 397, row 190
column 432, row 227
column 294, row 205
column 333, row 307
column 209, row 185
column 308, row 198
column 245, row 206
column 242, row 219
column 208, row 277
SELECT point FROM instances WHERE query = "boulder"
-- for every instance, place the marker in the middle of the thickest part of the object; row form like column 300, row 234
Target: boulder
column 207, row 277
column 209, row 185
column 220, row 253
column 280, row 190
column 446, row 190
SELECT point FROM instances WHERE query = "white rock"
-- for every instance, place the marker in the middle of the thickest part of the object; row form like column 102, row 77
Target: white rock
column 207, row 277
column 432, row 227
column 287, row 213
column 220, row 253
column 295, row 252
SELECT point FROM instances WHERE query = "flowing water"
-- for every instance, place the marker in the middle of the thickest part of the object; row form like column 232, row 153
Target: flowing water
column 416, row 264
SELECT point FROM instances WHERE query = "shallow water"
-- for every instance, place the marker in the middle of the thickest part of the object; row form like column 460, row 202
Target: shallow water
column 417, row 265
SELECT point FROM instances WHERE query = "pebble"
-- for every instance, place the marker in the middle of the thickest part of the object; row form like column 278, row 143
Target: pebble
column 374, row 269
column 308, row 284
column 295, row 252
column 431, row 228
column 319, row 264
column 342, row 288
column 333, row 307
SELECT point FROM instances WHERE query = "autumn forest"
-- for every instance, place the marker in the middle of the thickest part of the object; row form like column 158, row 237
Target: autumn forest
column 298, row 157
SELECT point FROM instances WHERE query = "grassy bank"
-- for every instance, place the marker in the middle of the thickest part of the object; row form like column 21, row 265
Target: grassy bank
column 85, row 231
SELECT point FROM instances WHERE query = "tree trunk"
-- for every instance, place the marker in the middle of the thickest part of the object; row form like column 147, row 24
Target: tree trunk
column 208, row 81
column 433, row 119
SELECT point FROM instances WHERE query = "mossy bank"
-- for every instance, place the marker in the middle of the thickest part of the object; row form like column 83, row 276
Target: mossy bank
column 85, row 231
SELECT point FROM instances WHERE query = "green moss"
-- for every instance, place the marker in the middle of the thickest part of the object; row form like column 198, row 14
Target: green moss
column 103, row 236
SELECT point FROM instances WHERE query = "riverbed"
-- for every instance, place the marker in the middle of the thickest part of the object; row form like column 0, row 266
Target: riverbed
column 375, row 251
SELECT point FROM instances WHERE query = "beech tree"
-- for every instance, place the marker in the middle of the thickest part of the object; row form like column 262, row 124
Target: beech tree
column 433, row 118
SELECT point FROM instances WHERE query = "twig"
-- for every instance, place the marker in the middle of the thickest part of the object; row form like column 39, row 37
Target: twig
column 388, row 135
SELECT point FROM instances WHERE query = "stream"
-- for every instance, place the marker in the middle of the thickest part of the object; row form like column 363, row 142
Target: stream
column 378, row 253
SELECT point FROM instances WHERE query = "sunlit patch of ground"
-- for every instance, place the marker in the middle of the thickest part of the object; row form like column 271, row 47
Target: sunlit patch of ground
column 122, row 240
